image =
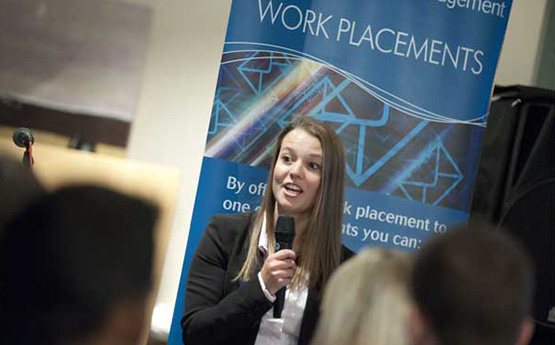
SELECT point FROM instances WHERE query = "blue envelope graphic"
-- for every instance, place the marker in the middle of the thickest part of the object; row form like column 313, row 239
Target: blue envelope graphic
column 434, row 179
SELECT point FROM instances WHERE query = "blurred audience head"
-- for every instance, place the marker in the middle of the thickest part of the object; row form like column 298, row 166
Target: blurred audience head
column 366, row 301
column 472, row 286
column 18, row 186
column 75, row 268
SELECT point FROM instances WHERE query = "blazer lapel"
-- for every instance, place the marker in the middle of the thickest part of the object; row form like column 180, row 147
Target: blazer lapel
column 310, row 317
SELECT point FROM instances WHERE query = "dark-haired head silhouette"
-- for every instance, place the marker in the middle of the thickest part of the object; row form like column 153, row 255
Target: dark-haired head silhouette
column 472, row 286
column 74, row 265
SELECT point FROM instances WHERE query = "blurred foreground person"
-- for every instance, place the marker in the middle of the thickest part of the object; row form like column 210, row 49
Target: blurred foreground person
column 472, row 286
column 75, row 268
column 366, row 301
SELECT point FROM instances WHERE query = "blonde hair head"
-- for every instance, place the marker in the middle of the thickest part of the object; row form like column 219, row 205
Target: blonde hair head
column 366, row 301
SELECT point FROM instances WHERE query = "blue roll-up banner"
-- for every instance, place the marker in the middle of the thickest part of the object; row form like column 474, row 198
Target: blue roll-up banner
column 405, row 84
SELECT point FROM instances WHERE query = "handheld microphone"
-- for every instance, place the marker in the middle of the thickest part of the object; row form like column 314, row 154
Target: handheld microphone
column 285, row 234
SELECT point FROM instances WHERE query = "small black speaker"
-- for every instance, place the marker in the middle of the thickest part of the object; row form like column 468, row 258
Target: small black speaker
column 515, row 186
column 518, row 116
column 530, row 217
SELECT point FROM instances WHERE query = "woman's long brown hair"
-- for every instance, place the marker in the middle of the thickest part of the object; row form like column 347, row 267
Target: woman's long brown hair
column 320, row 243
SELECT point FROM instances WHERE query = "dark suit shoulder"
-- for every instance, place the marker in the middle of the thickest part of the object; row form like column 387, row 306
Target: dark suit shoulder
column 232, row 217
column 346, row 253
column 227, row 228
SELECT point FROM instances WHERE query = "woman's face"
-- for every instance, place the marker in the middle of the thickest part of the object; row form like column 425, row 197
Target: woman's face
column 297, row 173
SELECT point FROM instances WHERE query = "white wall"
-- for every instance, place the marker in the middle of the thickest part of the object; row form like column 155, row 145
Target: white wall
column 178, row 88
column 170, row 128
column 521, row 49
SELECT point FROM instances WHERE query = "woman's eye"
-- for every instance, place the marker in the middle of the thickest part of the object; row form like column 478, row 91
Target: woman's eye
column 286, row 159
column 314, row 166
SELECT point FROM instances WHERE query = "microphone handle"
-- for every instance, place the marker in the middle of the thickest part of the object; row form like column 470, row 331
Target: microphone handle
column 280, row 295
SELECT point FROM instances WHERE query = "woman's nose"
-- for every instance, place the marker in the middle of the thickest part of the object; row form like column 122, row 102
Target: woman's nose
column 296, row 169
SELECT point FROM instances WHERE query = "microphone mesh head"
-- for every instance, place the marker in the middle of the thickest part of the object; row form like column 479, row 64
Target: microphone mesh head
column 22, row 136
column 285, row 229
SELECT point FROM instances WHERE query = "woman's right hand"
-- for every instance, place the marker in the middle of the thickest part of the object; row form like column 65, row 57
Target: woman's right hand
column 278, row 270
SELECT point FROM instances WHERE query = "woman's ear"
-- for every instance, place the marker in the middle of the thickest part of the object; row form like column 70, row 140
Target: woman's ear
column 126, row 322
column 526, row 331
column 419, row 333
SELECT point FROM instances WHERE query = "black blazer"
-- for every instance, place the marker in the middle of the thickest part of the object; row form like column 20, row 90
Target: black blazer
column 220, row 311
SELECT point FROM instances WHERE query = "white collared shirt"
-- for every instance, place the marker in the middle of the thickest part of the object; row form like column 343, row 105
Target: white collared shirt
column 284, row 331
